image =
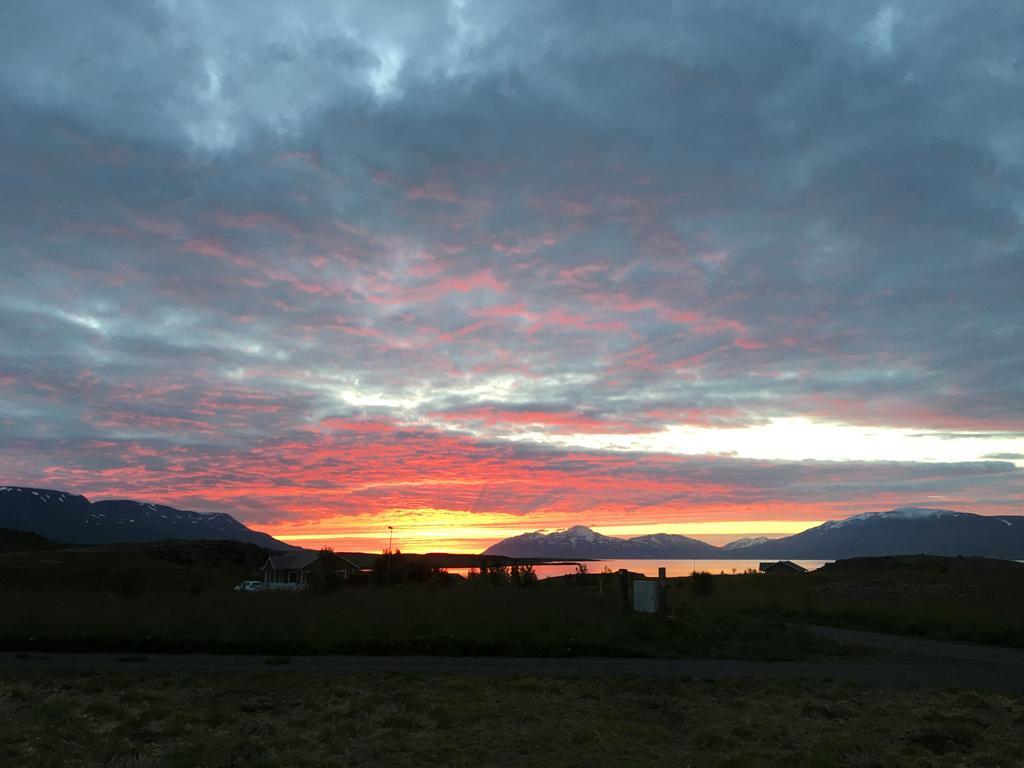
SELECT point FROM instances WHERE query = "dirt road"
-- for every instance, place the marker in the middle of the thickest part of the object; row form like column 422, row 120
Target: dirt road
column 907, row 662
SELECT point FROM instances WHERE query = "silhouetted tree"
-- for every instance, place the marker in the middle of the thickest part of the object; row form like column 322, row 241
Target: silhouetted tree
column 702, row 584
column 502, row 574
column 323, row 575
column 523, row 576
column 405, row 569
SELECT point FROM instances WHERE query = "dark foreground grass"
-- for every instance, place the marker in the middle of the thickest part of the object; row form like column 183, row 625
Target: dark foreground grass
column 943, row 598
column 425, row 619
column 137, row 720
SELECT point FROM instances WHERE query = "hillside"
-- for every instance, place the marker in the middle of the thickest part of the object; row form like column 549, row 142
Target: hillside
column 177, row 566
column 902, row 531
column 24, row 541
column 72, row 519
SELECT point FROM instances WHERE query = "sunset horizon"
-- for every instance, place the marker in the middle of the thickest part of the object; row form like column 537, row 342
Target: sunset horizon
column 428, row 530
column 520, row 383
column 475, row 273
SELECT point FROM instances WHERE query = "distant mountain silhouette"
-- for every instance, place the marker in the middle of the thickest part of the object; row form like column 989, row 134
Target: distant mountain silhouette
column 69, row 519
column 582, row 542
column 903, row 531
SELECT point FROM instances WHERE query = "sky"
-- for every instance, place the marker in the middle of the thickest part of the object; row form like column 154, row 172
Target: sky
column 469, row 269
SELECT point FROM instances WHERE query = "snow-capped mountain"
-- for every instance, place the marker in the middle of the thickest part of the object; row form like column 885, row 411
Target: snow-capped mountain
column 902, row 531
column 748, row 541
column 582, row 542
column 900, row 513
column 72, row 519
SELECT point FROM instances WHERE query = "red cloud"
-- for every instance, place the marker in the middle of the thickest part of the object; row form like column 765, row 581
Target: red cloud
column 388, row 294
column 342, row 468
column 699, row 320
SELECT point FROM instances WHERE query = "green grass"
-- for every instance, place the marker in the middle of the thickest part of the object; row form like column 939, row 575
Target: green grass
column 152, row 598
column 285, row 719
column 942, row 598
column 131, row 569
column 433, row 619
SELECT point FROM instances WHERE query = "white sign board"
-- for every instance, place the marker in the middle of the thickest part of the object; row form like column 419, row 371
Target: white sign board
column 645, row 596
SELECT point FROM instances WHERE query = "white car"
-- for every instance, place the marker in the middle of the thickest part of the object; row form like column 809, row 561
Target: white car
column 287, row 586
column 251, row 586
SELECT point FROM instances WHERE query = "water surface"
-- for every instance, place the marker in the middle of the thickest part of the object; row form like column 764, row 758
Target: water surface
column 672, row 567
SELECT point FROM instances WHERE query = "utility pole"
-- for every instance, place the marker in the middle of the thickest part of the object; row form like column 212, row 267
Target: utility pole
column 391, row 536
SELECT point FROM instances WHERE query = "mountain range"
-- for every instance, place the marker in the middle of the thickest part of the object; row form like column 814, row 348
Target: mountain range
column 902, row 531
column 72, row 519
column 580, row 541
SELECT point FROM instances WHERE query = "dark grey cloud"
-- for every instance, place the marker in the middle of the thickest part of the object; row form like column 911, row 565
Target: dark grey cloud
column 224, row 221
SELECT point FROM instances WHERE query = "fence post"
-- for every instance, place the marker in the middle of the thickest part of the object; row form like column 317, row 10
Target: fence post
column 624, row 588
column 662, row 592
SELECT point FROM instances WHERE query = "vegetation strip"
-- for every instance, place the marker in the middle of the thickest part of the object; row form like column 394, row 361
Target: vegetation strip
column 137, row 719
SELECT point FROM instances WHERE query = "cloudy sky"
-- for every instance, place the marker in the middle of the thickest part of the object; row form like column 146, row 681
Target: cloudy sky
column 474, row 268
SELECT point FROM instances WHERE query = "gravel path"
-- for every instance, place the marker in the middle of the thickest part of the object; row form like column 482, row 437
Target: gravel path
column 910, row 663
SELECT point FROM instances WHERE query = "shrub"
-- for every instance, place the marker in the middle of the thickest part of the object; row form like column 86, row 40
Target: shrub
column 702, row 584
column 403, row 569
column 523, row 576
column 500, row 574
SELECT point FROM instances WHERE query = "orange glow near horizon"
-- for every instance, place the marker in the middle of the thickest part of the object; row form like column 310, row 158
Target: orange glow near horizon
column 434, row 530
column 343, row 482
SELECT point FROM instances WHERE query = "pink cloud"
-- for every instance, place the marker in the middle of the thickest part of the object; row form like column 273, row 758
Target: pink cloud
column 694, row 318
column 554, row 421
column 388, row 294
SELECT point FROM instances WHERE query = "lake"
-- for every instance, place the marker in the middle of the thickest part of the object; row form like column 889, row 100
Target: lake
column 672, row 567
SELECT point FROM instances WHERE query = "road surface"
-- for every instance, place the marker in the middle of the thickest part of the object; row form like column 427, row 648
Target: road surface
column 906, row 663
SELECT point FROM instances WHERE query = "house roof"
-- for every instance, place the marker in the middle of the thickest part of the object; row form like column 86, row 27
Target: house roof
column 296, row 561
column 783, row 565
column 361, row 559
column 292, row 561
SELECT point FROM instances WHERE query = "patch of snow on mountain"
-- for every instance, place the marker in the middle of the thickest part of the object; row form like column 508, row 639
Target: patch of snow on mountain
column 900, row 513
column 579, row 533
column 919, row 513
column 748, row 541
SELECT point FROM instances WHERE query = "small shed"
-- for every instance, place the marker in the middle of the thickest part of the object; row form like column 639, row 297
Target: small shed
column 645, row 596
column 782, row 566
column 298, row 567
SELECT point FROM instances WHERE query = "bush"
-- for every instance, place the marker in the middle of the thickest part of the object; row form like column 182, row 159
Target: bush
column 500, row 574
column 404, row 569
column 702, row 584
column 523, row 576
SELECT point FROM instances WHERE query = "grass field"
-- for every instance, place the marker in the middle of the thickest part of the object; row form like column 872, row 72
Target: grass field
column 137, row 720
column 130, row 569
column 176, row 596
column 944, row 598
column 460, row 619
